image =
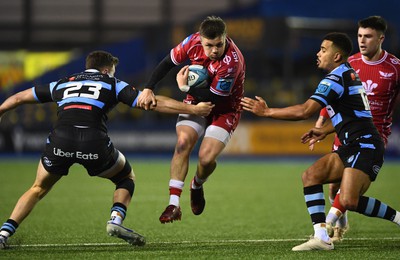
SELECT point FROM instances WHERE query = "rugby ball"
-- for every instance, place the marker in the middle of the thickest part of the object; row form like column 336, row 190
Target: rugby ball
column 198, row 77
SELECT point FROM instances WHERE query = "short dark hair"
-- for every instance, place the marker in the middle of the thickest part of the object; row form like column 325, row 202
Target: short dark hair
column 100, row 59
column 212, row 27
column 341, row 41
column 375, row 22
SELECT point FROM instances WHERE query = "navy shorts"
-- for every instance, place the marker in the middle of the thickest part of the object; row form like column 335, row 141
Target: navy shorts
column 91, row 148
column 365, row 153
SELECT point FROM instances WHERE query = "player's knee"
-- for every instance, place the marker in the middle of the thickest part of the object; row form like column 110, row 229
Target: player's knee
column 125, row 179
column 38, row 191
column 127, row 184
column 183, row 146
column 348, row 203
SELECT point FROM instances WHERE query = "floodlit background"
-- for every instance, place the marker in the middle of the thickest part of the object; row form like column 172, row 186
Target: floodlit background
column 44, row 40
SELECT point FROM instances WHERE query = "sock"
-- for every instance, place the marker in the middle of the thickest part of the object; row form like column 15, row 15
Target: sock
column 333, row 215
column 8, row 228
column 342, row 222
column 175, row 190
column 372, row 207
column 197, row 183
column 118, row 213
column 397, row 218
column 320, row 232
column 315, row 201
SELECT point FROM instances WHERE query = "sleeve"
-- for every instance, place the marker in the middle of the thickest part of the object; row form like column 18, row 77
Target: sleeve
column 42, row 93
column 126, row 93
column 179, row 54
column 160, row 71
column 327, row 91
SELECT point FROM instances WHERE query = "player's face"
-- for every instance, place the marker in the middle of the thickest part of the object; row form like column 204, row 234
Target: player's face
column 326, row 56
column 369, row 41
column 214, row 48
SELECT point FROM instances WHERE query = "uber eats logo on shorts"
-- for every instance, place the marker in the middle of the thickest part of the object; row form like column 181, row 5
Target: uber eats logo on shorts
column 78, row 154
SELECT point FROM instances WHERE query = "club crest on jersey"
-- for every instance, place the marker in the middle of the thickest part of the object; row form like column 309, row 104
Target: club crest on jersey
column 369, row 87
column 227, row 59
column 350, row 159
column 323, row 87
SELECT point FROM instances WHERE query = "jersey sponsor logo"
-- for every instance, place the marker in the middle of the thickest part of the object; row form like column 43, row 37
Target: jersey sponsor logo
column 332, row 77
column 386, row 75
column 227, row 59
column 235, row 56
column 224, row 85
column 394, row 61
column 79, row 155
column 323, row 87
column 369, row 87
column 85, row 107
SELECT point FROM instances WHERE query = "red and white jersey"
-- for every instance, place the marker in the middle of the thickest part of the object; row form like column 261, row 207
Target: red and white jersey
column 381, row 80
column 227, row 74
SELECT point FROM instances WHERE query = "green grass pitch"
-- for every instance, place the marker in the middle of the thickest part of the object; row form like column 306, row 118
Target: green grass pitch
column 254, row 210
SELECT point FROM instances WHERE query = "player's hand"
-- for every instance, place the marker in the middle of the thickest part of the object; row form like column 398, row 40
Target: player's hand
column 182, row 76
column 203, row 108
column 146, row 99
column 257, row 106
column 314, row 135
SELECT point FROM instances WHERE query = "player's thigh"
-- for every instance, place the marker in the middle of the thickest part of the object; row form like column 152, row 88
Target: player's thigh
column 210, row 148
column 327, row 169
column 189, row 128
column 354, row 183
column 45, row 180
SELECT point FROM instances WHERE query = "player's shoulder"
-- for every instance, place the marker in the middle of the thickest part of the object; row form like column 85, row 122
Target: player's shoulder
column 354, row 58
column 392, row 59
column 191, row 40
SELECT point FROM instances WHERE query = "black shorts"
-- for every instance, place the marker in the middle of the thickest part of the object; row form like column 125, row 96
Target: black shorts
column 91, row 148
column 365, row 154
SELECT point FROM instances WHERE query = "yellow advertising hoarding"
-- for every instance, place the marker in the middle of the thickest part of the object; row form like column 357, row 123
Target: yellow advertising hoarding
column 271, row 138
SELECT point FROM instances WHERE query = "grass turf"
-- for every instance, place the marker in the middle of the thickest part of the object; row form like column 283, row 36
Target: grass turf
column 255, row 210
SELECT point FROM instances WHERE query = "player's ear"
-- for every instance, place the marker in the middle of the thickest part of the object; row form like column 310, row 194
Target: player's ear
column 338, row 57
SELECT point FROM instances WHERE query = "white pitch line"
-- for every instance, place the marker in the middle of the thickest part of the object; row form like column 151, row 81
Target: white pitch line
column 198, row 242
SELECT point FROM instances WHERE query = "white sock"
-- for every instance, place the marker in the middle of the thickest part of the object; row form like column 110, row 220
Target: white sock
column 333, row 215
column 4, row 233
column 320, row 232
column 198, row 181
column 397, row 218
column 174, row 199
column 116, row 218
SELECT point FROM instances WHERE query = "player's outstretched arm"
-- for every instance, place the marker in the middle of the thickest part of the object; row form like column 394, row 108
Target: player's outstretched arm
column 20, row 98
column 172, row 106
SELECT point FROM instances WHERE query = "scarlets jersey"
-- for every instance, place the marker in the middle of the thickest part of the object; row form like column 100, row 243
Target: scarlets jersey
column 227, row 74
column 344, row 97
column 85, row 98
column 381, row 81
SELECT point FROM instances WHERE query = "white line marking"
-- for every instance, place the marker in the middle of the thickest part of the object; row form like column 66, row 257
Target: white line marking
column 198, row 242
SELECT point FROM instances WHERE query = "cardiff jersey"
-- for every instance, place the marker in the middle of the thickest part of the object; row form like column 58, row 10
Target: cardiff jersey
column 381, row 81
column 85, row 98
column 227, row 74
column 344, row 97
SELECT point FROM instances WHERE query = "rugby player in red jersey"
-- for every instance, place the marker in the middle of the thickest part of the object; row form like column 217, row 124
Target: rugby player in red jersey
column 379, row 72
column 213, row 49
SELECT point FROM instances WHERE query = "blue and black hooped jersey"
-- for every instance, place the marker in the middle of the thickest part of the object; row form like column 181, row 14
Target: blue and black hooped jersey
column 342, row 93
column 85, row 98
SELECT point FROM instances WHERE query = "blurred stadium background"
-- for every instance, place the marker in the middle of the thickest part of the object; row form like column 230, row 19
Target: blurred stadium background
column 44, row 40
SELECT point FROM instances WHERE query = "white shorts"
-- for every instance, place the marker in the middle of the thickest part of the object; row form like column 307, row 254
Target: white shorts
column 199, row 124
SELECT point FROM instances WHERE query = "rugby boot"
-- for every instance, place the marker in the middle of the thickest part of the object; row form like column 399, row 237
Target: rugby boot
column 170, row 214
column 126, row 234
column 197, row 201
